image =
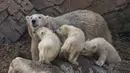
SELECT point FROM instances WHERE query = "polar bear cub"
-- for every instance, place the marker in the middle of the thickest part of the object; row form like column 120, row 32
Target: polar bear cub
column 49, row 46
column 74, row 43
column 106, row 52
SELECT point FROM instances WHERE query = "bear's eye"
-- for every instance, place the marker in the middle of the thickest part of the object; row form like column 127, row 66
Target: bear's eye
column 39, row 17
column 31, row 17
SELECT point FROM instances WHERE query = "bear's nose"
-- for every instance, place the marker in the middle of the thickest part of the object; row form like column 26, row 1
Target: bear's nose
column 33, row 21
column 57, row 30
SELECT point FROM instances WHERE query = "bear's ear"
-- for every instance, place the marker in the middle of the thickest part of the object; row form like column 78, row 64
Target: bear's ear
column 27, row 17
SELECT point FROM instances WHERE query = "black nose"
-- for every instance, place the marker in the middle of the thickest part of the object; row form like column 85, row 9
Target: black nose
column 33, row 21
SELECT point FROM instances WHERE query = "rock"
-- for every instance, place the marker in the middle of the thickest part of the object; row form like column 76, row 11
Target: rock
column 116, row 12
column 17, row 16
column 70, row 5
column 12, row 19
column 57, row 2
column 3, row 16
column 122, row 67
column 9, row 26
column 105, row 6
column 22, row 20
column 59, row 66
column 32, row 12
column 53, row 11
column 13, row 8
column 40, row 4
column 26, row 6
column 119, row 21
column 18, row 1
column 4, row 4
column 128, row 1
column 21, row 65
column 2, row 38
column 23, row 5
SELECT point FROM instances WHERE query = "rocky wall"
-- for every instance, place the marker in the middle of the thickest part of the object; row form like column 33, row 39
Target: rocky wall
column 13, row 12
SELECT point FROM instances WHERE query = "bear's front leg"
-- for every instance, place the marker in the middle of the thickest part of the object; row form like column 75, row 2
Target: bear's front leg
column 101, row 60
column 34, row 50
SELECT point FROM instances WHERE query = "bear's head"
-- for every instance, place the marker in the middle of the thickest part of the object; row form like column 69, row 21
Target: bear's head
column 63, row 30
column 42, row 31
column 89, row 48
column 36, row 20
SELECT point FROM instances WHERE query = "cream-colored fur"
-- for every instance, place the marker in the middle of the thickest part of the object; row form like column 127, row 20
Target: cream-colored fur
column 106, row 52
column 74, row 43
column 49, row 46
column 35, row 39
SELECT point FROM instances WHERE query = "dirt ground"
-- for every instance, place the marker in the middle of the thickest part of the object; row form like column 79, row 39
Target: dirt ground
column 22, row 48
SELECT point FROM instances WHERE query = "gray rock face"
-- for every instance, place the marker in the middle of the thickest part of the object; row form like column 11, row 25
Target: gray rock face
column 16, row 10
column 116, row 12
column 86, row 66
column 4, row 4
column 12, row 19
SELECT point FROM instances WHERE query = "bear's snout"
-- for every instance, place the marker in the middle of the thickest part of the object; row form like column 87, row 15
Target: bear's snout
column 34, row 23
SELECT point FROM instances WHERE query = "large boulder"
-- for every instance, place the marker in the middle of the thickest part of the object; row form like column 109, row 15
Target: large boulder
column 22, row 65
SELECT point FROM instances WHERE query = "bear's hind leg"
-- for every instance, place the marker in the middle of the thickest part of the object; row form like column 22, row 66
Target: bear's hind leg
column 73, row 58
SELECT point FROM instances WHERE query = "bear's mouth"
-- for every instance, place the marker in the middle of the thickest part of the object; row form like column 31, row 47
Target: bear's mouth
column 35, row 25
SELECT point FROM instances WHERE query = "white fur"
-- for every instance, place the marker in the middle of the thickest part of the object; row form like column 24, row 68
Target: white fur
column 74, row 43
column 49, row 46
column 106, row 52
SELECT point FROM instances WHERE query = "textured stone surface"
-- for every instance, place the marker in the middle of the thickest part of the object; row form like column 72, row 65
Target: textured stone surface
column 40, row 4
column 3, row 16
column 116, row 12
column 12, row 19
column 105, row 6
column 119, row 21
column 53, row 11
column 70, row 5
column 26, row 6
column 64, row 67
column 4, row 4
column 10, row 29
column 13, row 8
column 57, row 2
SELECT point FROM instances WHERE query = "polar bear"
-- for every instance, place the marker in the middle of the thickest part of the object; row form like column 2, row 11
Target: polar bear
column 49, row 46
column 74, row 43
column 106, row 52
column 90, row 22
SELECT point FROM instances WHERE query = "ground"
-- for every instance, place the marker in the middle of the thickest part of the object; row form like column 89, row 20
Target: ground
column 22, row 48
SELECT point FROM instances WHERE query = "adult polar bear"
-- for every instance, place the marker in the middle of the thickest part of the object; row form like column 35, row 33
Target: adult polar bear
column 90, row 22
